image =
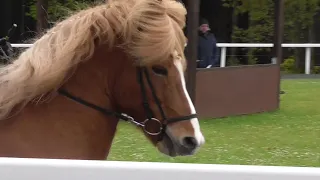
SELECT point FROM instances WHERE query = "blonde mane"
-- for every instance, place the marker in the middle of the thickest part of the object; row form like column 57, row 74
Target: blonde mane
column 140, row 27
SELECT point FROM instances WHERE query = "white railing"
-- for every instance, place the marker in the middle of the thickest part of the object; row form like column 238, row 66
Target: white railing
column 224, row 46
column 307, row 46
column 21, row 45
column 52, row 169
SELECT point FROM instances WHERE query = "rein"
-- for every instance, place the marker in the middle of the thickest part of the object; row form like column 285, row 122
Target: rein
column 149, row 113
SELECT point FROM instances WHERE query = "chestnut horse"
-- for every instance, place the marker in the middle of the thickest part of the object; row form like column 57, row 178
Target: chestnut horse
column 63, row 97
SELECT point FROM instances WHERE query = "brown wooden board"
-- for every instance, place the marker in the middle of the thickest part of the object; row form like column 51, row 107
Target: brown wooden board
column 239, row 90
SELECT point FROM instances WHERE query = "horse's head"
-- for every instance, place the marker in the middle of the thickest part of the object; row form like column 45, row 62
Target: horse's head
column 153, row 89
column 155, row 96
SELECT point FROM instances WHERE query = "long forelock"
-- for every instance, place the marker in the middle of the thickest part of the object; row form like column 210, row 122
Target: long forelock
column 150, row 30
column 154, row 31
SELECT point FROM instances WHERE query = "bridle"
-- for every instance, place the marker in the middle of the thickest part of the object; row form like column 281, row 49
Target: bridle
column 148, row 111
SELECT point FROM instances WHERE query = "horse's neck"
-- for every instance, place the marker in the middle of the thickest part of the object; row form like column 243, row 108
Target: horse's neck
column 94, row 79
column 91, row 82
column 63, row 128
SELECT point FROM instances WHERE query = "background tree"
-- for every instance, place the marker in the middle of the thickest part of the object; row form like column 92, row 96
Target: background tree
column 48, row 12
column 236, row 21
column 299, row 21
column 41, row 15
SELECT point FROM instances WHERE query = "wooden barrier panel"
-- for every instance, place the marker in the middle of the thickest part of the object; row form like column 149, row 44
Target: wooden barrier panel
column 239, row 90
column 50, row 169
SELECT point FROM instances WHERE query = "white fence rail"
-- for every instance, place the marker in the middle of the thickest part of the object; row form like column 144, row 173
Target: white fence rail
column 307, row 47
column 50, row 169
column 224, row 46
column 21, row 45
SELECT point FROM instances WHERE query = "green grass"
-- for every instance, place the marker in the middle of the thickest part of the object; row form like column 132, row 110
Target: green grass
column 287, row 137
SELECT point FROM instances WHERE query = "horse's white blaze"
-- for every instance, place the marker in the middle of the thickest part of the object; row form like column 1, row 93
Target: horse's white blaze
column 194, row 121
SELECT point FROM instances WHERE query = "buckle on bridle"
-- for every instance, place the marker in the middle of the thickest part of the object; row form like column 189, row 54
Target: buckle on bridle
column 152, row 120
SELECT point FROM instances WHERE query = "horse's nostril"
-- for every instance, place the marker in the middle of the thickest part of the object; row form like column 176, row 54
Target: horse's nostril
column 190, row 142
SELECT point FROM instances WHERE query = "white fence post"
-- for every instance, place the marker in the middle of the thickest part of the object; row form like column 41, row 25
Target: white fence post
column 308, row 60
column 223, row 57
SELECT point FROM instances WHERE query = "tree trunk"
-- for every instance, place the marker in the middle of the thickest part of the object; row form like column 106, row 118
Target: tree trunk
column 234, row 21
column 42, row 15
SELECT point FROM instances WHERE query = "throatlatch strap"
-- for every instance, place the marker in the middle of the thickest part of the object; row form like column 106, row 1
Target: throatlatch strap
column 102, row 110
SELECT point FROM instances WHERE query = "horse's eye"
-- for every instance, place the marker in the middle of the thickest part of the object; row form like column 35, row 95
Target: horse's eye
column 160, row 70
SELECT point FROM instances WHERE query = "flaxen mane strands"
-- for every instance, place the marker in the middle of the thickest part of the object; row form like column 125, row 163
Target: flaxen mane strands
column 145, row 27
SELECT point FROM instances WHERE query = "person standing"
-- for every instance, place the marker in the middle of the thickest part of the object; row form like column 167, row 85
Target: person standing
column 207, row 46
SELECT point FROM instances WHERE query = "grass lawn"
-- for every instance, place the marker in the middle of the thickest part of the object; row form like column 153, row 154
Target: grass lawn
column 288, row 137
